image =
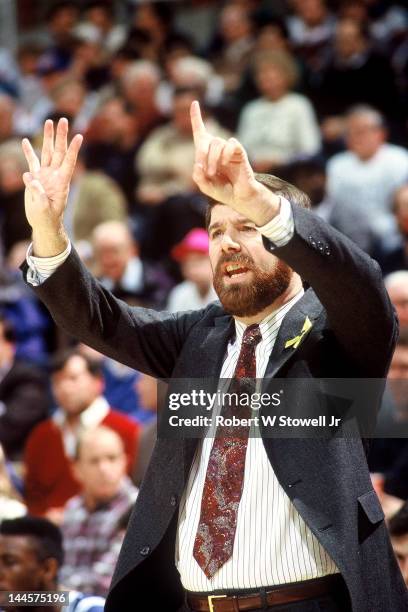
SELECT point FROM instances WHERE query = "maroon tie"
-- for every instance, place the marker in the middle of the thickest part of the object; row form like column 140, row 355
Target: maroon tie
column 224, row 479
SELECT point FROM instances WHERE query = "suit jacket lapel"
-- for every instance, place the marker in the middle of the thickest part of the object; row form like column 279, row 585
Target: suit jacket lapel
column 307, row 306
column 206, row 364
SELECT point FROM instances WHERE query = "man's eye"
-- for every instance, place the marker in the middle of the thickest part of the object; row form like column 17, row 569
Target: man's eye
column 249, row 228
column 216, row 233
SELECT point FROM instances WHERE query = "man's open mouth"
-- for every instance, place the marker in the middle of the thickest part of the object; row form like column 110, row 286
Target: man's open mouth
column 235, row 269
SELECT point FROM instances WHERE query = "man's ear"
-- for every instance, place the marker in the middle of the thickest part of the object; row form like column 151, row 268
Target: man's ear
column 50, row 569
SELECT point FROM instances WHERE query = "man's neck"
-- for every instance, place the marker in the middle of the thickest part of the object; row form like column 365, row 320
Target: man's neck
column 293, row 289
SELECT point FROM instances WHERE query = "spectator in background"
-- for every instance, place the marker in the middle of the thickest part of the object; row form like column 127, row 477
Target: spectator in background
column 90, row 523
column 31, row 555
column 70, row 98
column 96, row 199
column 310, row 176
column 398, row 527
column 7, row 113
column 190, row 72
column 397, row 287
column 77, row 385
column 23, row 395
column 13, row 227
column 196, row 291
column 165, row 160
column 120, row 269
column 368, row 173
column 393, row 257
column 233, row 44
column 280, row 126
column 311, row 29
column 100, row 13
column 11, row 505
column 140, row 81
column 147, row 390
column 154, row 20
column 120, row 385
column 354, row 73
column 112, row 142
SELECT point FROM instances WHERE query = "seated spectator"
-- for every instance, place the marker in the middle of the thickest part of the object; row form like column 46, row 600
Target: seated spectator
column 165, row 160
column 233, row 44
column 140, row 81
column 120, row 269
column 120, row 385
column 353, row 74
column 90, row 524
column 32, row 324
column 369, row 172
column 95, row 198
column 397, row 287
column 398, row 528
column 23, row 395
column 11, row 505
column 7, row 114
column 281, row 125
column 147, row 390
column 77, row 385
column 101, row 14
column 394, row 256
column 311, row 29
column 310, row 176
column 13, row 227
column 31, row 554
column 197, row 290
column 112, row 139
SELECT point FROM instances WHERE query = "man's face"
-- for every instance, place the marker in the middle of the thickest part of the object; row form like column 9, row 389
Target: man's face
column 399, row 297
column 271, row 80
column 74, row 387
column 364, row 138
column 247, row 278
column 113, row 255
column 400, row 546
column 101, row 467
column 20, row 569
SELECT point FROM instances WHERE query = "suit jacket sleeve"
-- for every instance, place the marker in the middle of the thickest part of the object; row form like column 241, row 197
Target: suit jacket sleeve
column 144, row 339
column 349, row 285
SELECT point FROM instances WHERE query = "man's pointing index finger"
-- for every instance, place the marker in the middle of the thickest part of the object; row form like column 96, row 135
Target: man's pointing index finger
column 197, row 123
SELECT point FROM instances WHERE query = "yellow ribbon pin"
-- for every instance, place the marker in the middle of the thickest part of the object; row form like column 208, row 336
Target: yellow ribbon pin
column 294, row 342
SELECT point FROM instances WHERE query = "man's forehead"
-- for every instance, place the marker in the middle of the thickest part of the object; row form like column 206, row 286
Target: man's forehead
column 220, row 213
column 15, row 544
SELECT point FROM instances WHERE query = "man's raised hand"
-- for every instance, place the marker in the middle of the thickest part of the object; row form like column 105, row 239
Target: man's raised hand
column 222, row 172
column 47, row 182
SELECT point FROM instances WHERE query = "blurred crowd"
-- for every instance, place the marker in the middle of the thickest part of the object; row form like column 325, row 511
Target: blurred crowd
column 316, row 91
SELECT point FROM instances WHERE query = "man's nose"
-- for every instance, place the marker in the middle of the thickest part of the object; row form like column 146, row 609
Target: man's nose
column 229, row 244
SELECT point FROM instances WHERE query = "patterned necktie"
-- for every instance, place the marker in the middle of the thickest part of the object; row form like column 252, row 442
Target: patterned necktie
column 224, row 479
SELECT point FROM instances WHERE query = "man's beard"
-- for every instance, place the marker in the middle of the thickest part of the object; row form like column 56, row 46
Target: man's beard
column 249, row 299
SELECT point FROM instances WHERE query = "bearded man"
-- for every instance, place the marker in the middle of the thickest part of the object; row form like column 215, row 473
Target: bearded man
column 240, row 523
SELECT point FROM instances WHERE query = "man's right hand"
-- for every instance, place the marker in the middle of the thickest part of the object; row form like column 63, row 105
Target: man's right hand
column 47, row 186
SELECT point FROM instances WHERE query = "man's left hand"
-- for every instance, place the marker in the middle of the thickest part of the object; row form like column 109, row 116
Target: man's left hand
column 222, row 172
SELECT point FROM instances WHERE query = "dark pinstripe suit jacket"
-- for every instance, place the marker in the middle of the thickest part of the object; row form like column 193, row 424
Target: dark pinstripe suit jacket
column 353, row 335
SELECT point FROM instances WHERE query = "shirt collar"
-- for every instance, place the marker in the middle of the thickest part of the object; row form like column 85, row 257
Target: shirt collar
column 90, row 417
column 270, row 320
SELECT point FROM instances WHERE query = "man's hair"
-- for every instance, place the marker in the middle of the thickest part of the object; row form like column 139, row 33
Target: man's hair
column 61, row 358
column 364, row 110
column 277, row 186
column 398, row 524
column 7, row 330
column 46, row 536
column 282, row 60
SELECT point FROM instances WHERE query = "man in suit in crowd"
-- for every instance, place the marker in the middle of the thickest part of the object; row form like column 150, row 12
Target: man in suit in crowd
column 297, row 526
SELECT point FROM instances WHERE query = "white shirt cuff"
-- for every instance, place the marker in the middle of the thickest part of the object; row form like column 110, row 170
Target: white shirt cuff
column 281, row 228
column 41, row 268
